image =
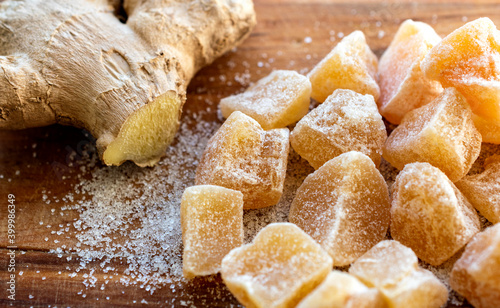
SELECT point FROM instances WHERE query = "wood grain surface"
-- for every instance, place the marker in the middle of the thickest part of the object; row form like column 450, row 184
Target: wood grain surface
column 290, row 34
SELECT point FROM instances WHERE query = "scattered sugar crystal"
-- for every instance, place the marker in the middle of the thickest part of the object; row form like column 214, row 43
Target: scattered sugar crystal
column 277, row 269
column 350, row 65
column 393, row 269
column 476, row 275
column 212, row 225
column 242, row 156
column 403, row 86
column 346, row 121
column 429, row 214
column 344, row 206
column 441, row 133
column 275, row 101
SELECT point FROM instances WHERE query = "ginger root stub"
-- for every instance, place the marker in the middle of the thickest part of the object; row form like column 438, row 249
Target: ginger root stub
column 77, row 64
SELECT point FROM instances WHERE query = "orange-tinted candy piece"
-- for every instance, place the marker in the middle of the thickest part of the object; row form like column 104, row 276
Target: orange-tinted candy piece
column 341, row 290
column 476, row 275
column 346, row 121
column 483, row 190
column 212, row 225
column 429, row 214
column 441, row 133
column 350, row 65
column 242, row 156
column 403, row 86
column 275, row 101
column 469, row 60
column 344, row 206
column 490, row 131
column 279, row 268
column 393, row 269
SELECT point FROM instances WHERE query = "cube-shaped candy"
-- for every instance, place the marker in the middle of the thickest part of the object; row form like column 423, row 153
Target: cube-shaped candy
column 441, row 133
column 344, row 206
column 346, row 121
column 476, row 275
column 403, row 86
column 275, row 101
column 212, row 225
column 469, row 60
column 242, row 156
column 350, row 65
column 341, row 290
column 483, row 190
column 489, row 130
column 429, row 214
column 393, row 269
column 279, row 268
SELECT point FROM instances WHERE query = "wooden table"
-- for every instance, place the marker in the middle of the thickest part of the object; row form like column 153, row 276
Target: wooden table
column 290, row 34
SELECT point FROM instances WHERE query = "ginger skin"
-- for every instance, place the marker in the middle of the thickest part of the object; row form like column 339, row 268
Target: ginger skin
column 77, row 64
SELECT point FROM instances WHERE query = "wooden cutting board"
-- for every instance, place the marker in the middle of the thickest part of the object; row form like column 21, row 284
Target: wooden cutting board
column 45, row 169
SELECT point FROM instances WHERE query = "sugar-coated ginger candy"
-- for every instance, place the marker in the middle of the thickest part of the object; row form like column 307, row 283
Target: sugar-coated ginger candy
column 490, row 131
column 393, row 269
column 350, row 65
column 344, row 206
column 341, row 290
column 280, row 99
column 279, row 268
column 346, row 121
column 483, row 189
column 476, row 275
column 469, row 60
column 212, row 225
column 441, row 133
column 242, row 156
column 403, row 86
column 429, row 214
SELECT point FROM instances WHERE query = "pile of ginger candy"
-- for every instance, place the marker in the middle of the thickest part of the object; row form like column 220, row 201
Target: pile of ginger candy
column 444, row 97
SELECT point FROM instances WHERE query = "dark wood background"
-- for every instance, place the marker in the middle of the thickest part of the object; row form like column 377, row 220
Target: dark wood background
column 280, row 33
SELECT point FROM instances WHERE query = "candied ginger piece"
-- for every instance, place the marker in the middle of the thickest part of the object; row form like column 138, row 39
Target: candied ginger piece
column 490, row 131
column 429, row 214
column 476, row 275
column 483, row 190
column 393, row 269
column 279, row 268
column 280, row 99
column 403, row 86
column 346, row 121
column 212, row 225
column 469, row 60
column 242, row 156
column 341, row 290
column 350, row 65
column 441, row 133
column 344, row 206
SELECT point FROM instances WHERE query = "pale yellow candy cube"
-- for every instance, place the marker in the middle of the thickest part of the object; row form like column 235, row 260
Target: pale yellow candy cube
column 393, row 269
column 279, row 268
column 346, row 121
column 244, row 157
column 429, row 214
column 278, row 100
column 403, row 86
column 212, row 225
column 476, row 275
column 350, row 65
column 344, row 206
column 341, row 290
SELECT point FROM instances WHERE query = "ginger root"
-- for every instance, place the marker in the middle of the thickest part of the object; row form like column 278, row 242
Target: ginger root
column 74, row 63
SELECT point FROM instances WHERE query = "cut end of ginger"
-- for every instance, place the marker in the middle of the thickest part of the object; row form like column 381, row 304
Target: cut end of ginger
column 146, row 134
